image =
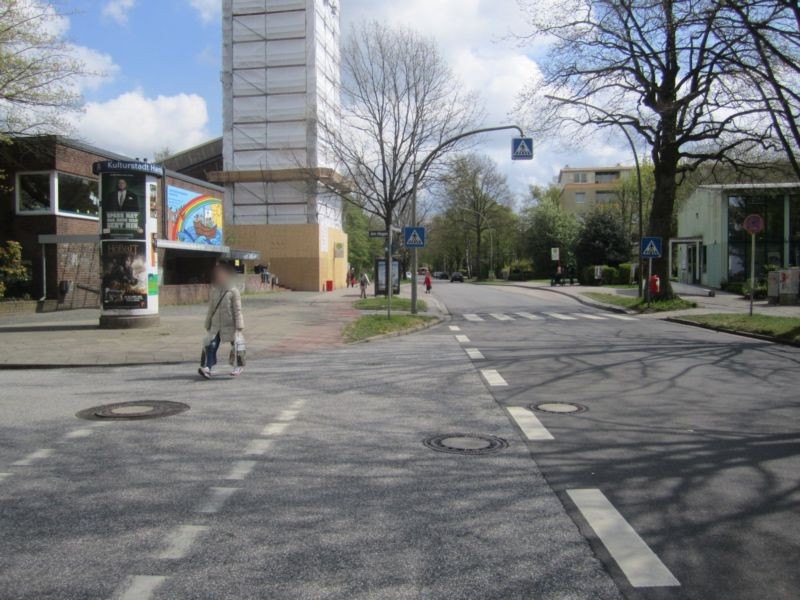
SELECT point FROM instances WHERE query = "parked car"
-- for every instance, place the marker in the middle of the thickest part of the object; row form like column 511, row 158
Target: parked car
column 457, row 277
column 441, row 275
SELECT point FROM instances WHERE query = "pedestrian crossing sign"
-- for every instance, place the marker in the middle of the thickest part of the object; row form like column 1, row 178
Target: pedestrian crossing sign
column 414, row 237
column 522, row 148
column 652, row 247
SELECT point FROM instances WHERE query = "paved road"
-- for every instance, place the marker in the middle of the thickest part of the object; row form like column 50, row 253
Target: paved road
column 691, row 437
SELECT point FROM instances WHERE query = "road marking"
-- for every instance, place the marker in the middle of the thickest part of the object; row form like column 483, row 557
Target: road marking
column 619, row 317
column 139, row 587
column 4, row 476
column 258, row 447
column 241, row 469
column 455, row 328
column 493, row 378
column 501, row 317
column 274, row 429
column 298, row 404
column 288, row 415
column 588, row 316
column 474, row 353
column 462, row 339
column 529, row 423
column 33, row 457
column 217, row 499
column 639, row 563
column 78, row 433
column 529, row 316
column 561, row 317
column 473, row 318
column 180, row 541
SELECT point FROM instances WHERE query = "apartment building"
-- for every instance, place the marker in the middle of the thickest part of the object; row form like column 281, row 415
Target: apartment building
column 584, row 188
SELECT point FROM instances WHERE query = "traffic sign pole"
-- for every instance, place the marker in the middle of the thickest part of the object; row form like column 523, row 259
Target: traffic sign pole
column 752, row 270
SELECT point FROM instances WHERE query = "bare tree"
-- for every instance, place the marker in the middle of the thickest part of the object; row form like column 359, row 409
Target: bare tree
column 400, row 101
column 475, row 192
column 37, row 70
column 655, row 67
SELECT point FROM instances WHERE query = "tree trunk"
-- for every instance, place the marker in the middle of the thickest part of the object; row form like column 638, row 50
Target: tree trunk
column 478, row 270
column 661, row 213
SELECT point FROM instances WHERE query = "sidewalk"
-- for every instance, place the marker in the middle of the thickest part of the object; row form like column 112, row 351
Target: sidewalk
column 274, row 324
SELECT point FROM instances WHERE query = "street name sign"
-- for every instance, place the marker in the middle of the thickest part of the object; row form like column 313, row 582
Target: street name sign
column 522, row 148
column 378, row 234
column 652, row 247
column 555, row 254
column 414, row 237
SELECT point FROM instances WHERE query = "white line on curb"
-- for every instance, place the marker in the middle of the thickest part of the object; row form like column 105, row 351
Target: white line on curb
column 33, row 457
column 241, row 469
column 474, row 353
column 493, row 378
column 288, row 415
column 274, row 429
column 529, row 423
column 462, row 339
column 180, row 541
column 561, row 317
column 139, row 587
column 78, row 433
column 639, row 563
column 216, row 500
column 472, row 317
column 529, row 316
column 298, row 404
column 591, row 317
column 258, row 447
column 619, row 317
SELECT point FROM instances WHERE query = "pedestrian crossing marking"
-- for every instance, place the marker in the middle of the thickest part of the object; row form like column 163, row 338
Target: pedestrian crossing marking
column 561, row 317
column 501, row 317
column 590, row 317
column 472, row 317
column 462, row 339
column 474, row 353
column 493, row 378
column 529, row 316
column 619, row 317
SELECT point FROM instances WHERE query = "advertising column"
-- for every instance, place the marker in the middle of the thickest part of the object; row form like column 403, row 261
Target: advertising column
column 128, row 233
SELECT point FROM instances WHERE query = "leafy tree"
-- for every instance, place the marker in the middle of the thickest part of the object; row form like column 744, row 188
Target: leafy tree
column 602, row 240
column 550, row 194
column 12, row 269
column 356, row 226
column 546, row 226
column 626, row 202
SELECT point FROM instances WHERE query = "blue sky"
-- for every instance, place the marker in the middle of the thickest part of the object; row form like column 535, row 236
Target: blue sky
column 161, row 60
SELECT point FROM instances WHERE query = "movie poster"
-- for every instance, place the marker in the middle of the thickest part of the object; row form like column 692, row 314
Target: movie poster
column 125, row 280
column 123, row 207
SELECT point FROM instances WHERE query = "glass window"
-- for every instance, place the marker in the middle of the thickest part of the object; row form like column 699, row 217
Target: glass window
column 606, row 177
column 769, row 243
column 605, row 197
column 579, row 177
column 77, row 195
column 794, row 230
column 33, row 193
column 580, row 197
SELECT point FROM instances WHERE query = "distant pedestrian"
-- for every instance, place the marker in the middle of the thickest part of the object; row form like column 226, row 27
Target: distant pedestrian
column 224, row 323
column 363, row 283
column 428, row 282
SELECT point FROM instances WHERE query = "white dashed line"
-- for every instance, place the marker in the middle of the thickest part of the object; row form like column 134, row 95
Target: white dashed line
column 590, row 317
column 274, row 429
column 258, row 447
column 33, row 457
column 288, row 415
column 298, row 404
column 561, row 317
column 139, row 587
column 78, row 433
column 4, row 476
column 241, row 469
column 493, row 378
column 501, row 317
column 474, row 353
column 462, row 339
column 619, row 317
column 473, row 318
column 529, row 423
column 639, row 563
column 529, row 316
column 180, row 541
column 216, row 500
column 455, row 328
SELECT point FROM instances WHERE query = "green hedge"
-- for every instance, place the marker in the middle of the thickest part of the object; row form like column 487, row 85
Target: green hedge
column 625, row 272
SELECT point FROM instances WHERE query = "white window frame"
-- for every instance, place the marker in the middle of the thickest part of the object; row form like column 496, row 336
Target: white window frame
column 18, row 193
column 61, row 213
column 580, row 195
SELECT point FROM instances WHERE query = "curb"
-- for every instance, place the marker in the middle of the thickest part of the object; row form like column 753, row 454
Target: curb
column 579, row 299
column 394, row 334
column 747, row 334
column 51, row 366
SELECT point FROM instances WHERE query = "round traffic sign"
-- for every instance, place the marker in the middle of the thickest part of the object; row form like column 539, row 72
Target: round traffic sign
column 754, row 224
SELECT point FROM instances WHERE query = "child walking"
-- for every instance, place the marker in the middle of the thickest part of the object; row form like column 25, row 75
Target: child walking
column 224, row 323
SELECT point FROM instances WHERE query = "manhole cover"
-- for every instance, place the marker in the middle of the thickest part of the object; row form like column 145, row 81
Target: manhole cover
column 559, row 408
column 130, row 411
column 465, row 443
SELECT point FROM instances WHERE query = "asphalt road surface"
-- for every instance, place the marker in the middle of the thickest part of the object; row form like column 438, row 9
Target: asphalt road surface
column 307, row 478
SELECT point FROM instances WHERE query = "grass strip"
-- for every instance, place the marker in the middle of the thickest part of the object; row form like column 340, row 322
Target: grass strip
column 639, row 305
column 379, row 303
column 372, row 325
column 785, row 329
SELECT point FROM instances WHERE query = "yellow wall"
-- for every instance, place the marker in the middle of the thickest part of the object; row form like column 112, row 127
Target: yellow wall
column 293, row 253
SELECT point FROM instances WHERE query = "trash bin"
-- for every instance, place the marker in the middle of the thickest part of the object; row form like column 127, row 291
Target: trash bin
column 789, row 286
column 329, row 285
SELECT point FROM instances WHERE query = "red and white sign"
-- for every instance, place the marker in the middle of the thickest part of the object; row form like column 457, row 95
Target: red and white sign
column 754, row 224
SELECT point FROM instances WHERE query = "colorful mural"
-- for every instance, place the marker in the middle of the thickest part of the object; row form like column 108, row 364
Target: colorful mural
column 193, row 217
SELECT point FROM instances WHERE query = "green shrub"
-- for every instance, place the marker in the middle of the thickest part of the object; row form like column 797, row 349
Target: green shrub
column 610, row 274
column 625, row 272
column 760, row 290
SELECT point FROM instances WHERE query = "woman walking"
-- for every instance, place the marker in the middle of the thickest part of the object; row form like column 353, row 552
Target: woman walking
column 224, row 323
column 428, row 282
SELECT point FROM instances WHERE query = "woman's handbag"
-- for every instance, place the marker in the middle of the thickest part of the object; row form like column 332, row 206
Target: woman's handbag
column 238, row 356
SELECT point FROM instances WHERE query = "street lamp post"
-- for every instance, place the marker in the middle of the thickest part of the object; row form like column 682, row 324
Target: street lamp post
column 423, row 167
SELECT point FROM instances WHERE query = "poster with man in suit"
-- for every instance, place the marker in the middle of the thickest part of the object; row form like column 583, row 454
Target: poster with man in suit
column 123, row 206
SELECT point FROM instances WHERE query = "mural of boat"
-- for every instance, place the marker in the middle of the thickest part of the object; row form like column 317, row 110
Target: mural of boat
column 205, row 225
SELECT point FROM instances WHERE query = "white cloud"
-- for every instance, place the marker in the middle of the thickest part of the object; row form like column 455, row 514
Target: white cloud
column 100, row 67
column 209, row 10
column 117, row 10
column 137, row 126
